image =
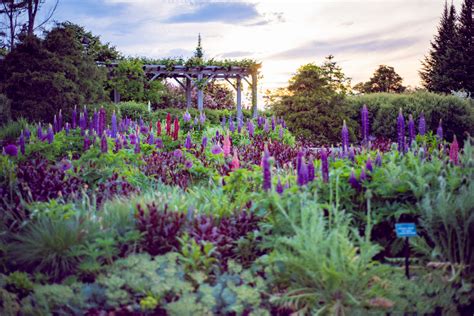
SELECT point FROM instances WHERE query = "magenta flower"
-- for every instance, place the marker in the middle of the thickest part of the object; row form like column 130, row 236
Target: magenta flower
column 11, row 150
column 267, row 174
column 454, row 151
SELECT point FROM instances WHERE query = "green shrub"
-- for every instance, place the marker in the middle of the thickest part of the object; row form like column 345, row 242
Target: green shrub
column 133, row 110
column 5, row 112
column 9, row 132
column 457, row 114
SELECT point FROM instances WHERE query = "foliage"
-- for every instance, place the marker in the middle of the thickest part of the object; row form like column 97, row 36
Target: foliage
column 384, row 79
column 5, row 110
column 133, row 110
column 42, row 76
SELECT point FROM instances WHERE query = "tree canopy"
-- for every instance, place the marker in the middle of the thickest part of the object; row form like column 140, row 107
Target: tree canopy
column 384, row 79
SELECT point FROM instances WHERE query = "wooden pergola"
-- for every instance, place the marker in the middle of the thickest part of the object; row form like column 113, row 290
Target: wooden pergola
column 198, row 77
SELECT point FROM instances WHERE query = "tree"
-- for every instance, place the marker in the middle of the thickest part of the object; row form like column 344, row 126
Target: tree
column 440, row 69
column 384, row 79
column 20, row 17
column 199, row 52
column 465, row 45
column 42, row 76
column 313, row 102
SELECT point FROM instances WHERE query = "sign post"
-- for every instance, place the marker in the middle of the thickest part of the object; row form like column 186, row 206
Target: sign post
column 406, row 230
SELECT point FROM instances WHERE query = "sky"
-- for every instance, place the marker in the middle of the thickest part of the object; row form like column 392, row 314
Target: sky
column 283, row 35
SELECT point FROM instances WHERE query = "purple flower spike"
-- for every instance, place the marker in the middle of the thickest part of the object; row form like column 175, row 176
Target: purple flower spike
column 302, row 173
column 279, row 187
column 311, row 171
column 27, row 134
column 137, row 146
column 231, row 126
column 267, row 174
column 422, row 124
column 266, row 128
column 188, row 144
column 22, row 143
column 60, row 121
column 280, row 133
column 114, row 125
column 411, row 130
column 401, row 132
column 351, row 154
column 55, row 124
column 365, row 124
column 118, row 144
column 50, row 135
column 186, row 117
column 368, row 165
column 159, row 143
column 10, row 150
column 273, row 123
column 151, row 139
column 39, row 131
column 439, row 131
column 250, row 128
column 353, row 181
column 223, row 122
column 204, row 142
column 202, row 118
column 196, row 121
column 87, row 142
column 67, row 129
column 378, row 160
column 74, row 117
column 324, row 165
column 345, row 137
column 103, row 143
column 216, row 149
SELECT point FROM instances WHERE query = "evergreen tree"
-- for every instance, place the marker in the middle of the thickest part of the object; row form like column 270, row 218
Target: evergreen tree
column 440, row 71
column 199, row 52
column 465, row 46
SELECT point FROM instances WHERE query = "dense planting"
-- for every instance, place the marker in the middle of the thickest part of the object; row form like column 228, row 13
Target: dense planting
column 180, row 214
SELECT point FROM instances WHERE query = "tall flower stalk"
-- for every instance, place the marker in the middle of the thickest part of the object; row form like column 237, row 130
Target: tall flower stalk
column 267, row 174
column 365, row 124
column 401, row 132
column 411, row 130
column 324, row 165
column 422, row 124
column 345, row 137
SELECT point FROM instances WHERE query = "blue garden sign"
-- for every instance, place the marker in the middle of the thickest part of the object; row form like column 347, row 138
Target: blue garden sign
column 405, row 229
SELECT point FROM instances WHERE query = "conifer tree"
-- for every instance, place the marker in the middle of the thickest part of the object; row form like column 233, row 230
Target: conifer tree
column 465, row 46
column 440, row 71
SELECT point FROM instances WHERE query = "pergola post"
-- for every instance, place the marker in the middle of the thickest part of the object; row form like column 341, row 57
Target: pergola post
column 254, row 95
column 239, row 99
column 188, row 93
column 200, row 94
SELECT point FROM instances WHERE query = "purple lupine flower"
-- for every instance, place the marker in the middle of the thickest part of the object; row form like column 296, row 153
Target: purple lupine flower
column 266, row 128
column 202, row 118
column 439, row 131
column 260, row 121
column 50, row 135
column 311, row 172
column 196, row 121
column 151, row 138
column 283, row 123
column 353, row 181
column 114, row 125
column 422, row 124
column 67, row 129
column 345, row 137
column 351, row 154
column 324, row 165
column 39, row 132
column 87, row 142
column 378, row 160
column 178, row 153
column 299, row 160
column 86, row 116
column 186, row 117
column 302, row 174
column 411, row 130
column 365, row 124
column 95, row 121
column 223, row 122
column 204, row 143
column 188, row 164
column 65, row 165
column 239, row 126
column 137, row 146
column 118, row 143
column 273, row 123
column 22, row 143
column 231, row 126
column 60, row 121
column 368, row 165
column 363, row 175
column 103, row 143
column 133, row 139
column 55, row 124
column 102, row 121
column 401, row 132
column 188, row 144
column 216, row 149
column 159, row 143
column 279, row 187
column 74, row 117
column 11, row 150
column 250, row 128
column 27, row 134
column 140, row 122
column 280, row 133
column 267, row 173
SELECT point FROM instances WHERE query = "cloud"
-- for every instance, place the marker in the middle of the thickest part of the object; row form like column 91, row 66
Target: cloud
column 235, row 54
column 358, row 44
column 226, row 12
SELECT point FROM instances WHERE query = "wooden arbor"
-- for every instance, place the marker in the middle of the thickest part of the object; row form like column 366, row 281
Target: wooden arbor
column 198, row 77
column 189, row 77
